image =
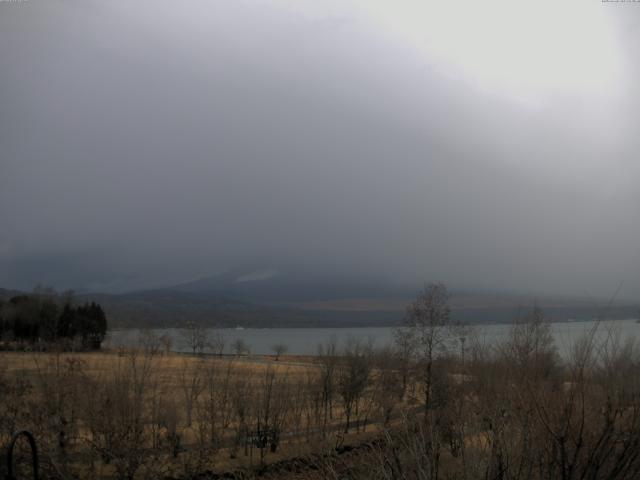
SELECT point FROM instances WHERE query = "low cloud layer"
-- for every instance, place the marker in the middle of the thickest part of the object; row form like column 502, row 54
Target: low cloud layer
column 152, row 142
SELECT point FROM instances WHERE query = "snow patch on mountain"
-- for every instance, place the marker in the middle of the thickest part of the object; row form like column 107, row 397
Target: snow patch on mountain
column 258, row 275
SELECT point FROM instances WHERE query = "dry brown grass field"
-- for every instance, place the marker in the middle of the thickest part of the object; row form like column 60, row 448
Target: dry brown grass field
column 149, row 414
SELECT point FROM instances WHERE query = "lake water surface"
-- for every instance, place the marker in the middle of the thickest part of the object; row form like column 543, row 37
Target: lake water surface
column 305, row 341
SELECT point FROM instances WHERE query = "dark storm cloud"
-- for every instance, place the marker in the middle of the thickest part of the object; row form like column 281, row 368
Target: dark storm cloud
column 149, row 142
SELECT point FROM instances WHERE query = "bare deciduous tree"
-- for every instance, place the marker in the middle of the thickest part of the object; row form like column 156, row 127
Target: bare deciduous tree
column 195, row 337
column 218, row 342
column 406, row 344
column 428, row 319
column 353, row 377
column 167, row 342
column 240, row 347
column 191, row 386
column 328, row 359
column 279, row 349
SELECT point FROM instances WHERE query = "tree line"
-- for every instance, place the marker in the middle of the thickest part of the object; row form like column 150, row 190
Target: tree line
column 45, row 317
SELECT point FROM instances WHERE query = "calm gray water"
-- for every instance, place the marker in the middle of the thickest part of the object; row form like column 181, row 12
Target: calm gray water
column 305, row 341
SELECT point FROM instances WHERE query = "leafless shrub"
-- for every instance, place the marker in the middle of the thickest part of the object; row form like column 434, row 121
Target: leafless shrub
column 272, row 402
column 54, row 407
column 115, row 413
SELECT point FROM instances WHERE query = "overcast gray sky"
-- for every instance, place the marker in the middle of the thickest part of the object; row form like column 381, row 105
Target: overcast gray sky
column 487, row 144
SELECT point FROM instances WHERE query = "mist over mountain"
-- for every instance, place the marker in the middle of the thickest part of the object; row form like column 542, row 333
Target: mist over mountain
column 273, row 286
column 145, row 143
column 270, row 298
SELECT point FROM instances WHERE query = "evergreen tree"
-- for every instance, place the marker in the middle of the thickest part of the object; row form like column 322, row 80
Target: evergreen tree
column 41, row 317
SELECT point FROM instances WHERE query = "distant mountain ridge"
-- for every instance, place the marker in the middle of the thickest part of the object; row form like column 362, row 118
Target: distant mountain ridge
column 283, row 287
column 269, row 298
